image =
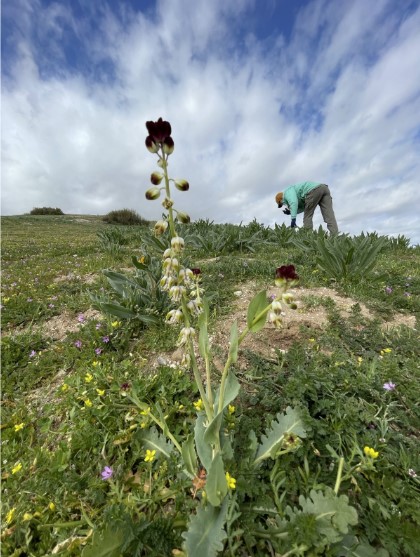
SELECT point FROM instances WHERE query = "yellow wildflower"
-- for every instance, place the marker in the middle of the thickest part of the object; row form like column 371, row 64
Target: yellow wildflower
column 18, row 427
column 10, row 515
column 231, row 409
column 150, row 455
column 231, row 482
column 142, row 259
column 27, row 516
column 145, row 412
column 311, row 340
column 116, row 324
column 96, row 363
column 198, row 405
column 51, row 506
column 17, row 468
column 143, row 425
column 88, row 377
column 5, row 300
column 100, row 392
column 88, row 403
column 359, row 360
column 370, row 452
column 64, row 387
column 386, row 351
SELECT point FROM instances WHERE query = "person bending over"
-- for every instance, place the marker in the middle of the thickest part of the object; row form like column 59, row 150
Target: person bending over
column 304, row 198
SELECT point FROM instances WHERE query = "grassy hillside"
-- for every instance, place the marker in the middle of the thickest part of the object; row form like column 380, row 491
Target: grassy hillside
column 91, row 372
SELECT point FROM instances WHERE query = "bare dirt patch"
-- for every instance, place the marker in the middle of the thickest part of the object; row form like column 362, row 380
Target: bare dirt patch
column 59, row 326
column 270, row 339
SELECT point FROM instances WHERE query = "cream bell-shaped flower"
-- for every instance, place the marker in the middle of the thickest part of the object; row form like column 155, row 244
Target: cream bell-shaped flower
column 177, row 243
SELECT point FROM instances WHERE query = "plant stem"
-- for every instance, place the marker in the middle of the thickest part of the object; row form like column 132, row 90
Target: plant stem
column 339, row 475
column 168, row 194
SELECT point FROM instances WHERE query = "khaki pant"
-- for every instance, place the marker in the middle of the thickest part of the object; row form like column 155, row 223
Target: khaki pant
column 320, row 196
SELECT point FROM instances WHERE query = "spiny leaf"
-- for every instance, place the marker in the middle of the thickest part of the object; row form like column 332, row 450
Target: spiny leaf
column 154, row 441
column 290, row 423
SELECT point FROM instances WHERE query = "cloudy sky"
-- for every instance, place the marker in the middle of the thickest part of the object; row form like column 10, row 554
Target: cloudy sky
column 260, row 94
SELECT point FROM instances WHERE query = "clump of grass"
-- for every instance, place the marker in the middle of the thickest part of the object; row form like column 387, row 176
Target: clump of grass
column 124, row 216
column 46, row 211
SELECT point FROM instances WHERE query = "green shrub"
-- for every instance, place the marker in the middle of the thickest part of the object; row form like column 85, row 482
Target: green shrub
column 124, row 216
column 46, row 211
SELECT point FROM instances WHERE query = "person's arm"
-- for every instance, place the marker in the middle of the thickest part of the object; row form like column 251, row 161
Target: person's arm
column 291, row 200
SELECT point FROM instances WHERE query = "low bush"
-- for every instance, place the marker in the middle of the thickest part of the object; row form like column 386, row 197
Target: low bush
column 46, row 211
column 124, row 216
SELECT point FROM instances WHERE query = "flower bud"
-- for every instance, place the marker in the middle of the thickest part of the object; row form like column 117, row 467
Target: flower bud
column 177, row 243
column 160, row 227
column 183, row 217
column 161, row 163
column 153, row 193
column 156, row 178
column 182, row 185
column 151, row 145
column 168, row 146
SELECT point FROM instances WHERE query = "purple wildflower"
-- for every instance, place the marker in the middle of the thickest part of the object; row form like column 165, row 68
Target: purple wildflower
column 98, row 351
column 98, row 326
column 50, row 306
column 78, row 344
column 105, row 339
column 407, row 294
column 32, row 353
column 29, row 300
column 54, row 297
column 107, row 472
column 389, row 386
column 81, row 318
column 388, row 290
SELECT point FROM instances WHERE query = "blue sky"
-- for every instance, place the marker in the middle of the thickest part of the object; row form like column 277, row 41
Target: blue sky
column 260, row 95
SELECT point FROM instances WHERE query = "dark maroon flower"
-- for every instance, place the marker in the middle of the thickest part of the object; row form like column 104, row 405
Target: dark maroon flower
column 196, row 271
column 125, row 386
column 159, row 135
column 286, row 272
column 159, row 130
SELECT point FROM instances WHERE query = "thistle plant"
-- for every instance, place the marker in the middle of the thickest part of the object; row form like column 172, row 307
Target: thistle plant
column 203, row 452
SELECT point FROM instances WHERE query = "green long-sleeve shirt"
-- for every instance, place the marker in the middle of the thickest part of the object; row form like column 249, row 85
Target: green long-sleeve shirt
column 294, row 196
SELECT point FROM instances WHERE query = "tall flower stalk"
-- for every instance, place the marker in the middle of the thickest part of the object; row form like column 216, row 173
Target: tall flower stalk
column 203, row 448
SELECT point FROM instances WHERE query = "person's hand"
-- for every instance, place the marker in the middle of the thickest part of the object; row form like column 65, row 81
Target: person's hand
column 293, row 223
column 286, row 211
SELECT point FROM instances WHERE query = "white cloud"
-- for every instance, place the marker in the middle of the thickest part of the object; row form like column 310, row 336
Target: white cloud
column 340, row 104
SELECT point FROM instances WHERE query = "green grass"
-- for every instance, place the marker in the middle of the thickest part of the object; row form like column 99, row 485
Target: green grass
column 67, row 407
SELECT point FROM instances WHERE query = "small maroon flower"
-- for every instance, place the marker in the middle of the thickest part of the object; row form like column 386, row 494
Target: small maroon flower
column 125, row 386
column 286, row 272
column 196, row 271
